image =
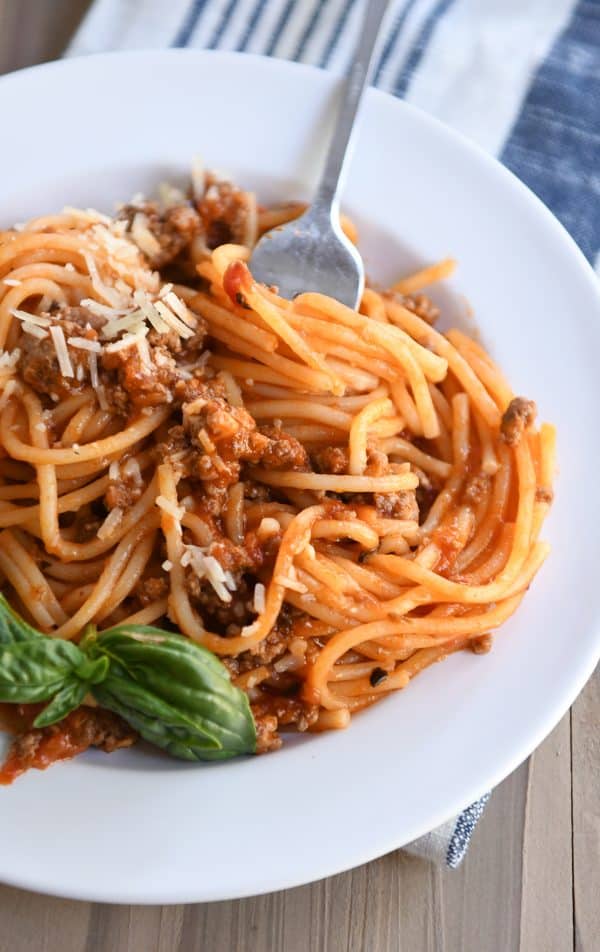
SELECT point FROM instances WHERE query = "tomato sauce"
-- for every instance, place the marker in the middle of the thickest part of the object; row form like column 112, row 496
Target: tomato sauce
column 60, row 742
column 237, row 280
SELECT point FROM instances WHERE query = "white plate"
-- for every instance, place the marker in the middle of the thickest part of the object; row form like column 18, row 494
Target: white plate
column 138, row 828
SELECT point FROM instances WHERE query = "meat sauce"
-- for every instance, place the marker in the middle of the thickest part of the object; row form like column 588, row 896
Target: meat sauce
column 42, row 747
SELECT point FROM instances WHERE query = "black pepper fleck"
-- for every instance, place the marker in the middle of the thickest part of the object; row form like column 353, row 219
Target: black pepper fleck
column 377, row 676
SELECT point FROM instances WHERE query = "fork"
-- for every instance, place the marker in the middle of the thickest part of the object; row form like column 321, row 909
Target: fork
column 312, row 253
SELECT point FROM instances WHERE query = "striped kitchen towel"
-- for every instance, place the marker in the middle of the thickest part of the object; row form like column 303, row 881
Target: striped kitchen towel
column 520, row 79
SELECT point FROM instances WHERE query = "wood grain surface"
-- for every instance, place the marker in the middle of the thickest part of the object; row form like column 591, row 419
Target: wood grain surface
column 531, row 879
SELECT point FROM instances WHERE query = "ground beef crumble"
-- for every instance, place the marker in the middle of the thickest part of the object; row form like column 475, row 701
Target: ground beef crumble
column 151, row 589
column 38, row 363
column 129, row 384
column 86, row 727
column 267, row 738
column 227, row 213
column 402, row 505
column 282, row 450
column 422, row 306
column 271, row 713
column 519, row 415
column 123, row 492
column 174, row 228
column 216, row 441
column 227, row 617
column 331, row 459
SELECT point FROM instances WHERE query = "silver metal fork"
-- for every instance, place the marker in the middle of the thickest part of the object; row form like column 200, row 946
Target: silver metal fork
column 312, row 253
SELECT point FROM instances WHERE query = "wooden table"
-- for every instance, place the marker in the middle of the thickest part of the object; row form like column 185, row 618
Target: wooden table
column 530, row 882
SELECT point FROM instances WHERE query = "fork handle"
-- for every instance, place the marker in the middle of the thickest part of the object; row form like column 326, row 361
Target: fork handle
column 356, row 81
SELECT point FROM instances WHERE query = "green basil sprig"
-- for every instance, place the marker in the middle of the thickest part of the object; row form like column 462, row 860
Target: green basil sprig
column 175, row 693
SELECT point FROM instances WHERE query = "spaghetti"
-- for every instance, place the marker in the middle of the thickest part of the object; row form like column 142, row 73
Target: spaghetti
column 330, row 500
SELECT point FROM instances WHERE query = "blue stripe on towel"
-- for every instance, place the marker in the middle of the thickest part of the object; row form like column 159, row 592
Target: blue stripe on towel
column 222, row 25
column 390, row 43
column 308, row 30
column 420, row 46
column 189, row 24
column 252, row 24
column 463, row 831
column 555, row 143
column 336, row 32
column 279, row 27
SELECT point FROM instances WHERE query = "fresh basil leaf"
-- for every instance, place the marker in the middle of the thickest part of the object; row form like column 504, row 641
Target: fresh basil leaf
column 35, row 670
column 156, row 721
column 132, row 636
column 68, row 699
column 93, row 670
column 13, row 628
column 176, row 693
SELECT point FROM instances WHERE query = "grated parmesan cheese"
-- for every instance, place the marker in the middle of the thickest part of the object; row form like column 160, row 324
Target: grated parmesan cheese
column 150, row 312
column 198, row 176
column 103, row 402
column 93, row 365
column 195, row 406
column 103, row 290
column 143, row 237
column 180, row 309
column 82, row 343
column 207, row 567
column 9, row 359
column 131, row 470
column 87, row 214
column 11, row 282
column 129, row 340
column 267, row 528
column 103, row 310
column 111, row 523
column 290, row 583
column 167, row 565
column 128, row 322
column 207, row 444
column 114, row 471
column 9, row 389
column 144, row 352
column 177, row 512
column 31, row 318
column 288, row 663
column 169, row 195
column 34, row 330
column 172, row 320
column 259, row 598
column 62, row 353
